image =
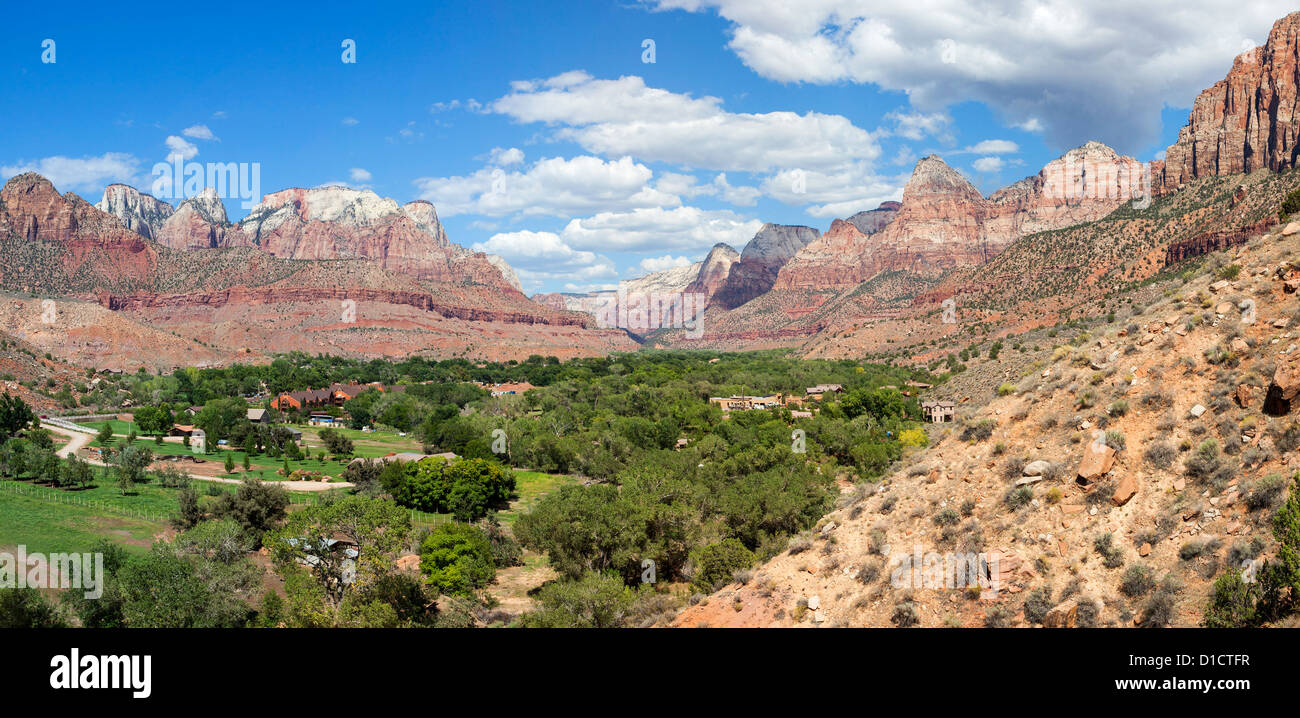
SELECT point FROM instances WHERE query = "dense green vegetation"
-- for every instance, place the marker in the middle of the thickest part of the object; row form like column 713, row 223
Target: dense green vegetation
column 640, row 477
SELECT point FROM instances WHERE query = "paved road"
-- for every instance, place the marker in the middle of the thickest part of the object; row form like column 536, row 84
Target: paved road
column 78, row 440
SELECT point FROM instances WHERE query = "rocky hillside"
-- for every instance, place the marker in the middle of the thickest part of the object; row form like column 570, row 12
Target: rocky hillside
column 1115, row 475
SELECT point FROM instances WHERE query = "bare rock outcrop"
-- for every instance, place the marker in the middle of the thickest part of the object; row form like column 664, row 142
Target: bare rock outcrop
column 1247, row 121
column 139, row 212
column 201, row 223
column 714, row 271
column 343, row 223
column 760, row 262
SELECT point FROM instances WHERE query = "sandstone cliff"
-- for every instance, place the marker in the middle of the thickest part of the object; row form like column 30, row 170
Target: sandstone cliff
column 343, row 223
column 760, row 262
column 141, row 213
column 713, row 271
column 1246, row 121
column 944, row 222
column 201, row 223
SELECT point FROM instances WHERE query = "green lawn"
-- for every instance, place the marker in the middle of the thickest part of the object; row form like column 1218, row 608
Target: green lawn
column 119, row 427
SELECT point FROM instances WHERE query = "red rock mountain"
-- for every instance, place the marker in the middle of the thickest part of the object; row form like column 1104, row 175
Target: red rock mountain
column 93, row 244
column 138, row 303
column 874, row 220
column 760, row 262
column 1247, row 121
column 343, row 223
column 944, row 222
column 200, row 223
column 714, row 271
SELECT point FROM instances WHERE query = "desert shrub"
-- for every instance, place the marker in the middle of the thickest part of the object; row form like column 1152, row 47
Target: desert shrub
column 1196, row 547
column 1138, row 581
column 798, row 544
column 1159, row 455
column 1119, row 407
column 905, row 614
column 1290, row 205
column 869, row 572
column 1244, row 551
column 1112, row 556
column 1159, row 610
column 1266, row 493
column 1017, row 499
column 1287, row 439
column 887, row 504
column 1205, row 461
column 947, row 517
column 978, row 431
column 1115, row 440
column 967, row 507
column 1037, row 603
column 1157, row 399
column 999, row 617
column 1087, row 615
column 1013, row 468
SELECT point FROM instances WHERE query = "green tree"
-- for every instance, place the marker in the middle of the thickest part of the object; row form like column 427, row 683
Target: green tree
column 351, row 544
column 456, row 559
column 594, row 601
column 715, row 563
column 15, row 415
column 27, row 608
column 155, row 420
column 257, row 506
column 131, row 463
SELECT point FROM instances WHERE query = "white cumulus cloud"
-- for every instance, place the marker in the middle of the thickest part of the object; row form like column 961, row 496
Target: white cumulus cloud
column 1099, row 70
column 79, row 173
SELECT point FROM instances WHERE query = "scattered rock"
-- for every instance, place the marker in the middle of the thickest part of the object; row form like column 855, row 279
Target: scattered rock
column 1125, row 491
column 1096, row 462
column 1144, row 550
column 1037, row 468
column 1063, row 615
column 1198, row 410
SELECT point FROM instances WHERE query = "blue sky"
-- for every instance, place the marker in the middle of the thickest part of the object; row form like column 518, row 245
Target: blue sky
column 541, row 134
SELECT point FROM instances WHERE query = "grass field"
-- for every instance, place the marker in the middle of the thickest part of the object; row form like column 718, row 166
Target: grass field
column 47, row 526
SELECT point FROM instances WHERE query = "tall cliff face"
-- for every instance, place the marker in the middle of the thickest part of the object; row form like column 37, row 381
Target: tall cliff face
column 944, row 222
column 760, row 262
column 343, row 223
column 139, row 212
column 200, row 223
column 1247, row 121
column 714, row 270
